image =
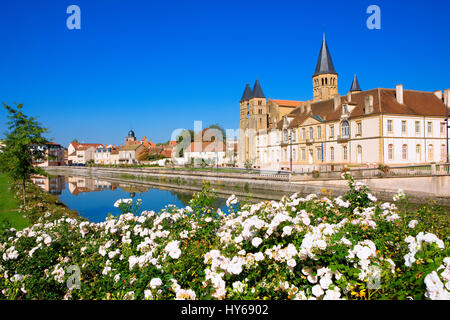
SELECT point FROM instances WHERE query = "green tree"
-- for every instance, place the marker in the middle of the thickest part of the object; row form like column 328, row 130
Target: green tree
column 24, row 144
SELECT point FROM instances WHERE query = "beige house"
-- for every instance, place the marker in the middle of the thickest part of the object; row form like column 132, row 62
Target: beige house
column 362, row 128
column 80, row 153
column 132, row 153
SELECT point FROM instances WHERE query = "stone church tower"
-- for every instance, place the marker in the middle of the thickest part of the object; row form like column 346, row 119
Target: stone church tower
column 253, row 117
column 325, row 79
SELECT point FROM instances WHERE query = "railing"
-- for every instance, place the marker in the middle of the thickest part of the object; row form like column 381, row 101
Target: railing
column 401, row 171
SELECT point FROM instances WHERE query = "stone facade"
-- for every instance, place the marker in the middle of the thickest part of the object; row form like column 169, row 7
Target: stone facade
column 361, row 128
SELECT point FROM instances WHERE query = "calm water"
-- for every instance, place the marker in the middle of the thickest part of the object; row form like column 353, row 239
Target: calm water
column 95, row 198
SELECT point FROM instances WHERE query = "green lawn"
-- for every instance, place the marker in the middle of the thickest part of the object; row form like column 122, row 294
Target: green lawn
column 9, row 207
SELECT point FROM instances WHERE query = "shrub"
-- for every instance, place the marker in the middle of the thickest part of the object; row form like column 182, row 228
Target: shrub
column 350, row 247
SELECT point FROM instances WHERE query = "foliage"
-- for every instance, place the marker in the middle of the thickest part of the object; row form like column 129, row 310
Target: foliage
column 350, row 247
column 24, row 144
column 316, row 174
column 384, row 169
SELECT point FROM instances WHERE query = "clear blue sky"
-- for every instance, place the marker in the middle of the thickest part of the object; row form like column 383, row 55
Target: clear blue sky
column 155, row 66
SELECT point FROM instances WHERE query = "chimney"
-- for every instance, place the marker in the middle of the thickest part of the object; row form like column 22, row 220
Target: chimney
column 349, row 97
column 368, row 104
column 337, row 101
column 308, row 107
column 399, row 93
column 447, row 97
column 438, row 94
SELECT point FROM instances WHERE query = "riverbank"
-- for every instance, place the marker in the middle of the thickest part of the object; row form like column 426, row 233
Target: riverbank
column 419, row 189
column 13, row 214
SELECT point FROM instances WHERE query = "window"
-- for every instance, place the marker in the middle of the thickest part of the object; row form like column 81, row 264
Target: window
column 319, row 154
column 294, row 154
column 303, row 133
column 358, row 128
column 417, row 127
column 311, row 133
column 418, row 153
column 442, row 128
column 430, row 152
column 359, row 154
column 345, row 152
column 443, row 153
column 430, row 127
column 389, row 126
column 405, row 152
column 294, row 135
column 286, row 136
column 345, row 129
column 332, row 154
column 331, row 131
column 303, row 154
column 403, row 127
column 390, row 152
column 319, row 132
column 259, row 103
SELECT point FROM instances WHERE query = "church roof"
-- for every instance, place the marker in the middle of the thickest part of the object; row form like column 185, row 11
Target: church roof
column 247, row 93
column 257, row 91
column 324, row 63
column 355, row 85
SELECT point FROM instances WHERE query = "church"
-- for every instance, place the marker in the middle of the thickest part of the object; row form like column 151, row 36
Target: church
column 359, row 129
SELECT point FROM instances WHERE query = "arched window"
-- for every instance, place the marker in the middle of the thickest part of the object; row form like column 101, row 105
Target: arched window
column 345, row 129
column 430, row 152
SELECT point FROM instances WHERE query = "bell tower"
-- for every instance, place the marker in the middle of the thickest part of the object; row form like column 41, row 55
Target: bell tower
column 325, row 79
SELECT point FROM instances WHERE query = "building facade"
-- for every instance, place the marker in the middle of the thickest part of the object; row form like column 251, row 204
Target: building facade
column 361, row 128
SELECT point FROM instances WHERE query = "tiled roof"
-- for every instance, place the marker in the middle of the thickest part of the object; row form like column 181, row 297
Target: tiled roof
column 384, row 101
column 287, row 103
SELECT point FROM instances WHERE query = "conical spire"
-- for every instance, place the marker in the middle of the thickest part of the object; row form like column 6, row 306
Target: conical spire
column 257, row 91
column 324, row 63
column 355, row 85
column 247, row 93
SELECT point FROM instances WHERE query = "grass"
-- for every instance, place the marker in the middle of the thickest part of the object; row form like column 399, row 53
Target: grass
column 9, row 207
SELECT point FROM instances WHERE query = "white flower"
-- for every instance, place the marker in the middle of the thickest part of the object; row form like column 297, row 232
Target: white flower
column 231, row 200
column 291, row 263
column 173, row 250
column 256, row 242
column 238, row 286
column 47, row 240
column 259, row 256
column 287, row 230
column 317, row 290
column 148, row 294
column 155, row 283
column 120, row 201
column 412, row 224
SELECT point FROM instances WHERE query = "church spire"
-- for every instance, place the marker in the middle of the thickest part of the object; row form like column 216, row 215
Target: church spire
column 257, row 91
column 355, row 85
column 324, row 63
column 247, row 93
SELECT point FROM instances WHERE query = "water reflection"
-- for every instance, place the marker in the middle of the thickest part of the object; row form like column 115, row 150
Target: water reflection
column 94, row 198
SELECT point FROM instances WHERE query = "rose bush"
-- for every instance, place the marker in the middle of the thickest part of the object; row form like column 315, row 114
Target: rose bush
column 350, row 247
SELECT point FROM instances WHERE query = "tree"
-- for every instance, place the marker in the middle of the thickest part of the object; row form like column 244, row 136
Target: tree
column 24, row 144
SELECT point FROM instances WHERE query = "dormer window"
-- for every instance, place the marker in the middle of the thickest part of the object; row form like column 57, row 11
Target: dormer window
column 344, row 109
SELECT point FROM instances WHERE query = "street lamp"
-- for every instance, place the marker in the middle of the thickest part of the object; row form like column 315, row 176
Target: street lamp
column 290, row 145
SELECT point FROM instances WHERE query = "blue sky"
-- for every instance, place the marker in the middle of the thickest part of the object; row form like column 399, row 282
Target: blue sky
column 155, row 66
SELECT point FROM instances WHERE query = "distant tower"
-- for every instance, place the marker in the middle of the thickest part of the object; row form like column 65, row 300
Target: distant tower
column 131, row 138
column 325, row 79
column 355, row 85
column 253, row 107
